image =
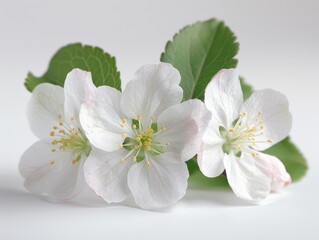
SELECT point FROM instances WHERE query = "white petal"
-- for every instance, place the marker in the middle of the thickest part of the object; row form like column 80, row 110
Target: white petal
column 153, row 89
column 52, row 174
column 107, row 175
column 185, row 124
column 102, row 120
column 46, row 103
column 159, row 185
column 211, row 155
column 275, row 115
column 78, row 89
column 210, row 159
column 274, row 168
column 245, row 178
column 224, row 97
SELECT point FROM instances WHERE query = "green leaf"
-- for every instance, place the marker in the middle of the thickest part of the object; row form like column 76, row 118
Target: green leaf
column 291, row 157
column 88, row 58
column 198, row 180
column 199, row 51
column 247, row 89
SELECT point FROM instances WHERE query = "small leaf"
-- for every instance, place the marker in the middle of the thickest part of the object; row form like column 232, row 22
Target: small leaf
column 199, row 51
column 198, row 180
column 291, row 157
column 88, row 58
column 247, row 89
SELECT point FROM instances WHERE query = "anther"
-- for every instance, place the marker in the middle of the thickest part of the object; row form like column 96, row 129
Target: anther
column 231, row 130
column 138, row 117
column 260, row 112
column 134, row 159
column 124, row 120
column 148, row 164
column 270, row 141
column 122, row 125
column 163, row 129
column 55, row 127
column 59, row 116
column 134, row 126
column 52, row 134
column 52, row 162
column 122, row 160
column 60, row 123
column 124, row 135
column 152, row 118
column 120, row 145
column 53, row 150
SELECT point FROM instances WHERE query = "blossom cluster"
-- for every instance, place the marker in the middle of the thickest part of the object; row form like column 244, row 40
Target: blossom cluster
column 137, row 142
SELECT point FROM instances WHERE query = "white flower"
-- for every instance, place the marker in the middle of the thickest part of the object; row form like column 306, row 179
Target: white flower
column 237, row 132
column 146, row 135
column 53, row 166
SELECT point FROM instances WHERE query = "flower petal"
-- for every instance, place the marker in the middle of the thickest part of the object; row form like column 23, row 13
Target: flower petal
column 78, row 89
column 107, row 175
column 160, row 184
column 210, row 160
column 184, row 126
column 224, row 97
column 275, row 115
column 46, row 104
column 245, row 178
column 102, row 121
column 211, row 155
column 52, row 174
column 274, row 168
column 153, row 89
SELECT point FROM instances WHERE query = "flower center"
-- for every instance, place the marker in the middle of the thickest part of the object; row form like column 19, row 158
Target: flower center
column 142, row 143
column 144, row 139
column 68, row 137
column 243, row 136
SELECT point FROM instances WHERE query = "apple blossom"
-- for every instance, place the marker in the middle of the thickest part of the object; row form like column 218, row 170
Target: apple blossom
column 53, row 166
column 143, row 138
column 238, row 131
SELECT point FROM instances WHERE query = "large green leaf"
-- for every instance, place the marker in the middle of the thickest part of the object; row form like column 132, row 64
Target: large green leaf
column 92, row 59
column 199, row 51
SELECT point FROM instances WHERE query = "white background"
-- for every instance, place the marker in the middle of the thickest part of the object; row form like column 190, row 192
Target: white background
column 279, row 48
